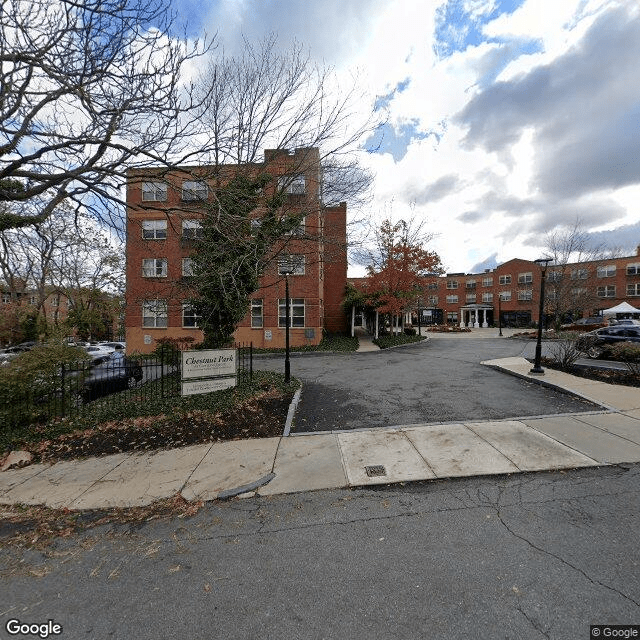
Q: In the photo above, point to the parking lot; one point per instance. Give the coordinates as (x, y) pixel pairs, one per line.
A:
(439, 380)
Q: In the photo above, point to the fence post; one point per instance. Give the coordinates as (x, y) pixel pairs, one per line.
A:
(162, 377)
(251, 361)
(63, 392)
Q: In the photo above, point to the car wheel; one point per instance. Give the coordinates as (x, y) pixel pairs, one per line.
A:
(594, 352)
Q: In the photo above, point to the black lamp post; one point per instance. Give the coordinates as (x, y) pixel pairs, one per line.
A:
(537, 369)
(500, 315)
(286, 271)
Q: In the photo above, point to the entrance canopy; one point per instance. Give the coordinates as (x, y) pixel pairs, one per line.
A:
(623, 307)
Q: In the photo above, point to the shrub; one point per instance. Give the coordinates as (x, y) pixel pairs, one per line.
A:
(409, 331)
(629, 353)
(564, 351)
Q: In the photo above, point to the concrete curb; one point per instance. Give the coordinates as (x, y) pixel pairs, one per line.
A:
(291, 413)
(245, 488)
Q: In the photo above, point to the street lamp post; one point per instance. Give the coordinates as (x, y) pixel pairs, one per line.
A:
(500, 315)
(286, 270)
(537, 369)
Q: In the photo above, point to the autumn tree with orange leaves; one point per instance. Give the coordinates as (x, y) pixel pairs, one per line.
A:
(398, 266)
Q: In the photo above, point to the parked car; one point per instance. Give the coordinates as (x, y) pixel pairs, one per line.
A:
(625, 321)
(584, 324)
(116, 346)
(99, 352)
(116, 373)
(595, 342)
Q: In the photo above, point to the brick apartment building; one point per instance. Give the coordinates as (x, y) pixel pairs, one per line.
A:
(163, 220)
(513, 289)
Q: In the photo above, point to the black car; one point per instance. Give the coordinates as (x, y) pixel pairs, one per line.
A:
(111, 375)
(595, 342)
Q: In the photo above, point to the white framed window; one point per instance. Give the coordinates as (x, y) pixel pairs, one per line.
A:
(505, 279)
(191, 229)
(257, 313)
(608, 291)
(471, 297)
(33, 300)
(452, 284)
(487, 297)
(296, 312)
(432, 286)
(433, 300)
(470, 284)
(554, 276)
(300, 229)
(606, 271)
(452, 299)
(578, 291)
(154, 229)
(452, 317)
(633, 269)
(55, 301)
(187, 267)
(154, 191)
(294, 264)
(525, 278)
(154, 267)
(525, 295)
(190, 318)
(551, 295)
(6, 298)
(505, 296)
(633, 289)
(487, 282)
(293, 185)
(194, 190)
(154, 314)
(579, 274)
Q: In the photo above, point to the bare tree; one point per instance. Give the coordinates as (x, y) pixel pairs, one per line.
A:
(86, 88)
(570, 288)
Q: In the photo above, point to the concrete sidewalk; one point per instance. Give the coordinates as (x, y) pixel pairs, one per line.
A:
(348, 458)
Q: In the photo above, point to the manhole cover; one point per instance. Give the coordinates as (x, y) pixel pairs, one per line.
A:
(375, 470)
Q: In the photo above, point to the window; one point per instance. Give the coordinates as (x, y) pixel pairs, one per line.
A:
(608, 271)
(154, 229)
(487, 282)
(452, 317)
(554, 276)
(579, 274)
(471, 297)
(551, 295)
(452, 299)
(154, 313)
(55, 301)
(33, 300)
(633, 289)
(525, 278)
(470, 284)
(578, 291)
(487, 297)
(294, 264)
(608, 291)
(433, 300)
(187, 267)
(432, 286)
(298, 230)
(257, 314)
(296, 312)
(194, 190)
(6, 298)
(191, 229)
(505, 279)
(505, 296)
(154, 191)
(295, 185)
(154, 268)
(190, 318)
(525, 294)
(633, 269)
(452, 284)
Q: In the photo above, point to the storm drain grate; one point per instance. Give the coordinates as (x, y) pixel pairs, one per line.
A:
(375, 470)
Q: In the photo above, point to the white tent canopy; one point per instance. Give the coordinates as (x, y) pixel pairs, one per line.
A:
(623, 307)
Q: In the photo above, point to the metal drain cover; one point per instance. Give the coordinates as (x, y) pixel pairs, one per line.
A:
(375, 470)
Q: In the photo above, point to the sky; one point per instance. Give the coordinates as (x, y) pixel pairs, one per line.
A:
(504, 120)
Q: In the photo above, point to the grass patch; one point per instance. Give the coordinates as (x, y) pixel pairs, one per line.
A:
(335, 343)
(255, 408)
(384, 342)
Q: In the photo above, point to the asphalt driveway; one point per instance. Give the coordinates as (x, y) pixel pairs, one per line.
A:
(439, 380)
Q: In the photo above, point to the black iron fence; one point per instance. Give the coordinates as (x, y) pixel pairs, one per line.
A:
(80, 387)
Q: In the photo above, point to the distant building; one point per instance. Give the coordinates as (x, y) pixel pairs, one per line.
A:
(164, 210)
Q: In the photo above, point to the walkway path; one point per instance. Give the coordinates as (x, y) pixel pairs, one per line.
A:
(349, 459)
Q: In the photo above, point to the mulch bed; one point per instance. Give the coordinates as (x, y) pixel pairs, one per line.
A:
(610, 376)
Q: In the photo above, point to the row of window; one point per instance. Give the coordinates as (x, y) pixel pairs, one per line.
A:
(193, 190)
(155, 314)
(158, 267)
(470, 298)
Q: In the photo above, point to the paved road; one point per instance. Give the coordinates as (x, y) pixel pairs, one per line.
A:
(441, 380)
(520, 558)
